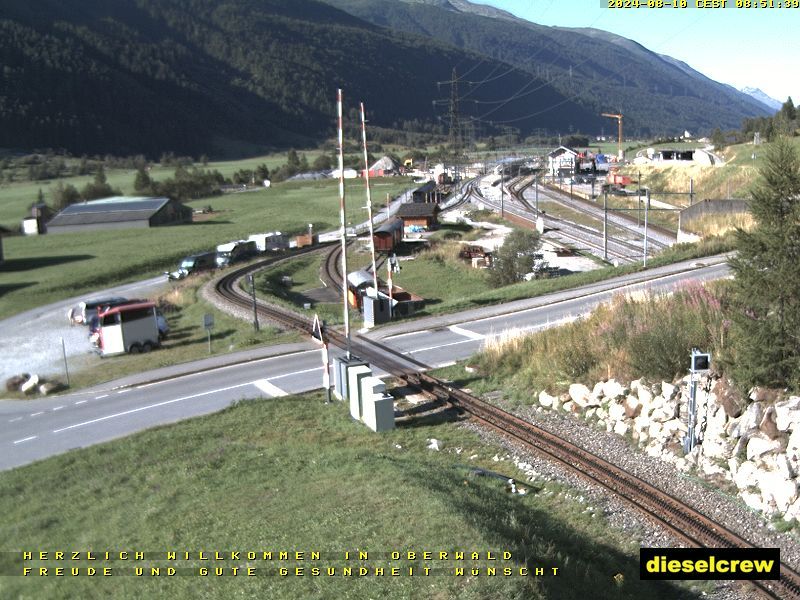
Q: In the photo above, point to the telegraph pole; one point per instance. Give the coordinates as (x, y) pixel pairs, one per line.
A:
(646, 205)
(345, 307)
(369, 201)
(605, 225)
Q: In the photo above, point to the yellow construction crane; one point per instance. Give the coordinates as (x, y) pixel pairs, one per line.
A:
(619, 126)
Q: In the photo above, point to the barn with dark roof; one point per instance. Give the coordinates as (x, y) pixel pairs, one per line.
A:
(120, 212)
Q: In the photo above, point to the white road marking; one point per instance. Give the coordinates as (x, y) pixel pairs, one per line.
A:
(98, 397)
(399, 335)
(441, 346)
(15, 420)
(466, 332)
(271, 390)
(81, 401)
(244, 364)
(156, 405)
(41, 412)
(55, 408)
(27, 439)
(297, 373)
(124, 391)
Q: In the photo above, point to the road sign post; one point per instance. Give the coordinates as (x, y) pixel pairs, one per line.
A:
(208, 325)
(64, 354)
(252, 282)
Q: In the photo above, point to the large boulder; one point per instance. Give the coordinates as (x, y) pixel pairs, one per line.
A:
(754, 501)
(633, 406)
(663, 413)
(717, 447)
(793, 512)
(616, 411)
(746, 475)
(668, 390)
(712, 468)
(751, 418)
(787, 414)
(729, 398)
(764, 395)
(777, 491)
(621, 428)
(759, 445)
(613, 389)
(767, 426)
(579, 394)
(673, 427)
(546, 399)
(732, 429)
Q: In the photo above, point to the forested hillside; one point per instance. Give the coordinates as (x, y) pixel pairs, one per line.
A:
(599, 70)
(201, 76)
(149, 76)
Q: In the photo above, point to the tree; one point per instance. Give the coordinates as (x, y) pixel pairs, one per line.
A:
(515, 258)
(788, 110)
(766, 288)
(322, 163)
(262, 172)
(64, 195)
(718, 139)
(142, 182)
(99, 188)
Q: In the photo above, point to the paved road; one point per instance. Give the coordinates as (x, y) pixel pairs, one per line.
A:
(32, 430)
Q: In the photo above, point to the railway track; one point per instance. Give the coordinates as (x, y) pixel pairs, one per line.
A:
(569, 233)
(680, 519)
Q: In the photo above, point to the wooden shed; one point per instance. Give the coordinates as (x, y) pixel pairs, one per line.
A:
(419, 216)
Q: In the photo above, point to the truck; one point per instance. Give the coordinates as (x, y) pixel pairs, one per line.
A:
(193, 264)
(130, 328)
(235, 251)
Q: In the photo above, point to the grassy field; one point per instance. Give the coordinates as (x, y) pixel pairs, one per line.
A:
(450, 293)
(292, 474)
(43, 269)
(304, 273)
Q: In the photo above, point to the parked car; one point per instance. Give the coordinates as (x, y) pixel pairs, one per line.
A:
(193, 264)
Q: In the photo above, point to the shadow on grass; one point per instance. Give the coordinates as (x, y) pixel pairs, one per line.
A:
(538, 539)
(11, 287)
(37, 262)
(187, 340)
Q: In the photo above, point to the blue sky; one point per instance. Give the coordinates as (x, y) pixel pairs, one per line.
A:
(757, 47)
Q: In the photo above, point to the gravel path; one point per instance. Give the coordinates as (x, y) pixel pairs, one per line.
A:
(724, 508)
(30, 342)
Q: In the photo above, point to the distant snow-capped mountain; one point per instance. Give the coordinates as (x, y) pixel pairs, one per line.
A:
(767, 101)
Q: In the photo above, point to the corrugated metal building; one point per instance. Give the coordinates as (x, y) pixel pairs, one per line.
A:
(120, 212)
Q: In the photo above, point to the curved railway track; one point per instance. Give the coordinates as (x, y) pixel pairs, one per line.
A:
(620, 249)
(680, 519)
